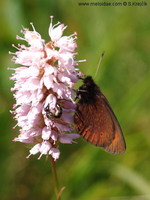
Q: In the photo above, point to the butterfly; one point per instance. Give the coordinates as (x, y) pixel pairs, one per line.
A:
(95, 120)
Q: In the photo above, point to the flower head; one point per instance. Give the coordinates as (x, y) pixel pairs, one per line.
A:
(43, 90)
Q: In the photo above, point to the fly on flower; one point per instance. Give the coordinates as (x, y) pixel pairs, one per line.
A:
(56, 114)
(47, 73)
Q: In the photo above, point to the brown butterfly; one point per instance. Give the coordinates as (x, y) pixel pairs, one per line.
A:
(95, 120)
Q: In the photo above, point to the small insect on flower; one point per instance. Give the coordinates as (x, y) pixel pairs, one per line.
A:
(95, 119)
(56, 114)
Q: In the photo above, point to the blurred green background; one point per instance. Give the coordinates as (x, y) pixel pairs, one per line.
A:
(124, 76)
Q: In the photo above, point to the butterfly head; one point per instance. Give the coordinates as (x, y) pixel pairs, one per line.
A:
(87, 92)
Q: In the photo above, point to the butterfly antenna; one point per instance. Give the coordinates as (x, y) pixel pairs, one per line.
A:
(99, 63)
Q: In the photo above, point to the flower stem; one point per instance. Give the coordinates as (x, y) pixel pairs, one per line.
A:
(55, 178)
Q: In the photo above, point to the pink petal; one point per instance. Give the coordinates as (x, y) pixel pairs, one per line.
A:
(35, 149)
(67, 138)
(46, 132)
(48, 81)
(55, 153)
(56, 33)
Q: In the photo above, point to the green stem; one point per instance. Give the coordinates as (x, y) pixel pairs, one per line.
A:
(55, 178)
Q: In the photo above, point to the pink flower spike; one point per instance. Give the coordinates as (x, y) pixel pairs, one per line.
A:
(43, 89)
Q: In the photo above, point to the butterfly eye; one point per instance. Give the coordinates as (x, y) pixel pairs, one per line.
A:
(82, 89)
(84, 86)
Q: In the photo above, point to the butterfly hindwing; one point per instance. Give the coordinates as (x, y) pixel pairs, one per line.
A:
(118, 144)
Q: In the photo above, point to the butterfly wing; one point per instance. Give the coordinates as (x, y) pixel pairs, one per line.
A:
(97, 123)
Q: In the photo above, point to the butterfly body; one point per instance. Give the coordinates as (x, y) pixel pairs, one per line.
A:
(95, 120)
(88, 91)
